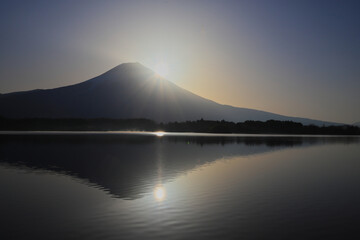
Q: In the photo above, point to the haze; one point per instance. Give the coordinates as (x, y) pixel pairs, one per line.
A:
(297, 58)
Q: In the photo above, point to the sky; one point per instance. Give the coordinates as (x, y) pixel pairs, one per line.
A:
(296, 58)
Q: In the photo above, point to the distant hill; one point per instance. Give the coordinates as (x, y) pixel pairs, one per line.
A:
(129, 90)
(357, 124)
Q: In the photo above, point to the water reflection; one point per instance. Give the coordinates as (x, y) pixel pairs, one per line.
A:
(128, 166)
(179, 187)
(159, 193)
(159, 134)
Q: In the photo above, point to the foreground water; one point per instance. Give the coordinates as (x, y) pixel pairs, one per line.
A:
(156, 186)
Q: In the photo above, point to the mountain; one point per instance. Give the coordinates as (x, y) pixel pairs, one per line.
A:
(129, 90)
(357, 124)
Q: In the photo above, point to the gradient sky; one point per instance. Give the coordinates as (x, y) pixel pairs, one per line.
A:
(296, 58)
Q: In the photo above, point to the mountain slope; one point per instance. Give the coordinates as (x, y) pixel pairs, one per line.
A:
(129, 90)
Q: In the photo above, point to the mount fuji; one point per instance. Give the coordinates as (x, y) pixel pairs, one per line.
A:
(129, 90)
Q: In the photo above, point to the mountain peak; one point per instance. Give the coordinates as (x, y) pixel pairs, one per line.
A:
(131, 68)
(130, 64)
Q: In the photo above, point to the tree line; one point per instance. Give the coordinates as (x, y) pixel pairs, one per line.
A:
(204, 126)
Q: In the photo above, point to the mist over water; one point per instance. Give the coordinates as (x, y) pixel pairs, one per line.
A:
(151, 186)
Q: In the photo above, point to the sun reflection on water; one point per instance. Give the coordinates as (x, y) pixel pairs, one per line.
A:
(159, 193)
(160, 133)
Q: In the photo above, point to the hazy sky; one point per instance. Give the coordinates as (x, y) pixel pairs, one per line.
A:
(297, 58)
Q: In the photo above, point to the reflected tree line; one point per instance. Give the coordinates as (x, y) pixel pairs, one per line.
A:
(203, 126)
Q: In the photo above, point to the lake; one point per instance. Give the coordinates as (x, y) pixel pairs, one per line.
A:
(122, 185)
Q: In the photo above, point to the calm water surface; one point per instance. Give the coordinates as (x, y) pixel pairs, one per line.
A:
(155, 186)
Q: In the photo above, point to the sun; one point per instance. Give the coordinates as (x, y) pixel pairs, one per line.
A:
(162, 69)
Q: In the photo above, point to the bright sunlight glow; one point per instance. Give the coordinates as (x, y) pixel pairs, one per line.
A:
(159, 193)
(159, 134)
(161, 69)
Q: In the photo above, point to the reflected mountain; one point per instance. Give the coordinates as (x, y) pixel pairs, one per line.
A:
(129, 165)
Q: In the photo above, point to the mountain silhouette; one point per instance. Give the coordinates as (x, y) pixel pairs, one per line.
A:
(129, 90)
